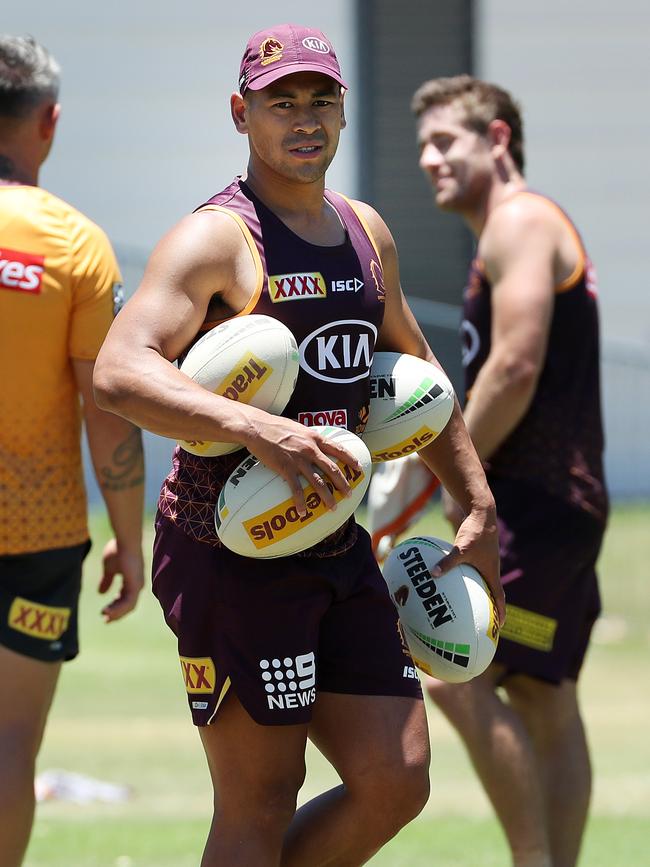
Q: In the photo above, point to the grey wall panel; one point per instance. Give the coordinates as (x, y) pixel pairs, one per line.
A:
(400, 46)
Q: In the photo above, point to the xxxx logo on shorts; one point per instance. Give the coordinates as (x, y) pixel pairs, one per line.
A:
(292, 287)
(199, 674)
(39, 621)
(283, 520)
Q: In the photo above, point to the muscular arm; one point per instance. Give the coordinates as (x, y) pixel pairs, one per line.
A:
(518, 249)
(451, 456)
(116, 451)
(135, 377)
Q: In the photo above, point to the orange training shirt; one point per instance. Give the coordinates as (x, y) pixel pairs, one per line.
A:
(57, 279)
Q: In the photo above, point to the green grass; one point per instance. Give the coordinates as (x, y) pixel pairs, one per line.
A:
(121, 715)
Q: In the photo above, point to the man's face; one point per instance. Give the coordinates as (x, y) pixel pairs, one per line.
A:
(457, 160)
(294, 124)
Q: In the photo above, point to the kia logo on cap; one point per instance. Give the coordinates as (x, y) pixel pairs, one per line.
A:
(313, 43)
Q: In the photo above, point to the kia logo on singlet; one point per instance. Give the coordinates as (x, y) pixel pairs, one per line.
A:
(339, 352)
(21, 272)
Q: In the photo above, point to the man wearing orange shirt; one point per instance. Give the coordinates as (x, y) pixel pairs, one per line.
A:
(59, 289)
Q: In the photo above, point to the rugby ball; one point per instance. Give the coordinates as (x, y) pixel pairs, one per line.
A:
(450, 623)
(251, 359)
(411, 401)
(256, 515)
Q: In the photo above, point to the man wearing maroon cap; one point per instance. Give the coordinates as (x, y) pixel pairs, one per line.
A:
(276, 651)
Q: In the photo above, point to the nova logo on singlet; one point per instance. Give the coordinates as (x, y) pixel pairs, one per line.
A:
(245, 379)
(289, 683)
(340, 351)
(331, 417)
(199, 674)
(293, 287)
(38, 621)
(283, 520)
(21, 272)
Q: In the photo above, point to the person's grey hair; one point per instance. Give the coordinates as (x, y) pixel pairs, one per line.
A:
(29, 75)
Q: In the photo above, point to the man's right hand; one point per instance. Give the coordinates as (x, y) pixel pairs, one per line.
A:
(293, 450)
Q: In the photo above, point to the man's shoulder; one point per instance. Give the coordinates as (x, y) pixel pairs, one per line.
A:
(516, 220)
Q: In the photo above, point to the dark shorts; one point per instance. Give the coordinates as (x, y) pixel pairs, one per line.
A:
(548, 558)
(278, 631)
(39, 600)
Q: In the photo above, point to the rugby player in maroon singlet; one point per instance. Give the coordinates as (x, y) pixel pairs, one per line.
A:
(273, 652)
(531, 357)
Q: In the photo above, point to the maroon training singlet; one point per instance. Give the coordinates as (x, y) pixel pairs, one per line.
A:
(558, 445)
(332, 299)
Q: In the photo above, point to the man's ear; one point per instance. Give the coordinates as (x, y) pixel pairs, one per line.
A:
(343, 120)
(238, 111)
(49, 116)
(499, 134)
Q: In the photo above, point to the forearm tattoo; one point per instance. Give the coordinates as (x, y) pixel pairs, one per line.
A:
(127, 465)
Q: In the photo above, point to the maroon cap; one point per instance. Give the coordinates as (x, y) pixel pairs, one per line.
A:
(283, 50)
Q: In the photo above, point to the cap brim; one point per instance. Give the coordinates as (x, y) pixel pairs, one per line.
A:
(266, 78)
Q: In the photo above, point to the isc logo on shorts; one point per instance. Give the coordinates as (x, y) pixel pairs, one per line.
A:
(292, 287)
(21, 271)
(39, 621)
(199, 674)
(289, 683)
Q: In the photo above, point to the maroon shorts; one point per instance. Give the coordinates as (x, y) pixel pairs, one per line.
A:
(278, 631)
(548, 558)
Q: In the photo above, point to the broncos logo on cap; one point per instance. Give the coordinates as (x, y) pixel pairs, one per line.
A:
(271, 49)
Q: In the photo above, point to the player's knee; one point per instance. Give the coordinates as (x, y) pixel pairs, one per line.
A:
(397, 793)
(268, 806)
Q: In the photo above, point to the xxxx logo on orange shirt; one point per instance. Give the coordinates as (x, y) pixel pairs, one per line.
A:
(39, 621)
(199, 674)
(292, 287)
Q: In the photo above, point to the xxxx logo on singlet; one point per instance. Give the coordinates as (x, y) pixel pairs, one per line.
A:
(293, 287)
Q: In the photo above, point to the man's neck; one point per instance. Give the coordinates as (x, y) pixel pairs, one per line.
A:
(498, 192)
(11, 172)
(287, 198)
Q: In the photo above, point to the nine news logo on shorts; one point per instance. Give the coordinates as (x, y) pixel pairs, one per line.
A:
(288, 682)
(22, 272)
(294, 287)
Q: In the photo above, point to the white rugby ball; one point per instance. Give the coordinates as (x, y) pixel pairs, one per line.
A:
(256, 515)
(450, 623)
(411, 401)
(251, 359)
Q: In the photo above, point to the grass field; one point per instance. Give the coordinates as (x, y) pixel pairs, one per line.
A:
(120, 715)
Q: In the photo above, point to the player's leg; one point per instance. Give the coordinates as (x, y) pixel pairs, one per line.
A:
(379, 746)
(552, 717)
(502, 752)
(256, 774)
(26, 690)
